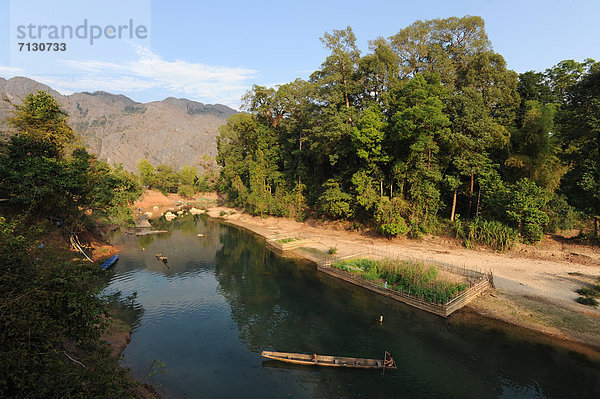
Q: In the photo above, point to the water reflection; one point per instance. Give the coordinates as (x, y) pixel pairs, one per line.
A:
(225, 298)
(126, 308)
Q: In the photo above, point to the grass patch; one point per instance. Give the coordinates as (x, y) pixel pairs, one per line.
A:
(592, 292)
(286, 240)
(589, 294)
(587, 300)
(409, 277)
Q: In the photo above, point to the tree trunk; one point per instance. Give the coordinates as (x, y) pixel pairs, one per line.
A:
(453, 205)
(346, 93)
(478, 199)
(391, 189)
(381, 187)
(299, 193)
(471, 195)
(429, 160)
(520, 227)
(596, 225)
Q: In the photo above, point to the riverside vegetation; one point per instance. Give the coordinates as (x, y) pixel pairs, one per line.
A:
(406, 276)
(51, 317)
(427, 126)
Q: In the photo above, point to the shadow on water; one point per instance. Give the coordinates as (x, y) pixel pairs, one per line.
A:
(225, 298)
(126, 308)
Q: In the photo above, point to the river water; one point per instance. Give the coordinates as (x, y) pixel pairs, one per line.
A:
(201, 320)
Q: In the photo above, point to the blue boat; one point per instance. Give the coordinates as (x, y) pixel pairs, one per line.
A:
(109, 262)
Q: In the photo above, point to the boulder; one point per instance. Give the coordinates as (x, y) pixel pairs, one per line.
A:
(142, 223)
(170, 216)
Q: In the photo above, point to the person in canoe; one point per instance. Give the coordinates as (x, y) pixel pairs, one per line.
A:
(314, 357)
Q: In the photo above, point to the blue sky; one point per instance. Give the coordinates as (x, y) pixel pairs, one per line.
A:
(214, 51)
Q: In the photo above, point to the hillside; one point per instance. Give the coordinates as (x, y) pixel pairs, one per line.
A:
(173, 131)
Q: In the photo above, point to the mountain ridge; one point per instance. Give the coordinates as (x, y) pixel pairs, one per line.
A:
(173, 131)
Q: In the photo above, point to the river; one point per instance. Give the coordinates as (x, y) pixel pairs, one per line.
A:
(201, 320)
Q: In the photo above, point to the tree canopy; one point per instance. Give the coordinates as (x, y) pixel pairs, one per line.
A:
(429, 124)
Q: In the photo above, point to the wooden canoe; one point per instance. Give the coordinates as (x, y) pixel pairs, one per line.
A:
(109, 262)
(328, 361)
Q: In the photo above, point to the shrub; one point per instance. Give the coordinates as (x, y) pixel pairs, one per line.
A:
(587, 300)
(332, 250)
(593, 291)
(525, 209)
(389, 217)
(334, 202)
(186, 191)
(490, 233)
(561, 215)
(532, 232)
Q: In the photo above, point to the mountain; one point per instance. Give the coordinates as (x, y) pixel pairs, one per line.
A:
(174, 131)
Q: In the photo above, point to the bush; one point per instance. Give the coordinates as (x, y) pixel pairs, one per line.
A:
(525, 209)
(51, 310)
(561, 215)
(334, 202)
(389, 217)
(532, 233)
(587, 300)
(332, 250)
(186, 191)
(593, 291)
(489, 233)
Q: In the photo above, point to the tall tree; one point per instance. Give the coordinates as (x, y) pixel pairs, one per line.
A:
(486, 72)
(336, 91)
(442, 46)
(146, 171)
(474, 133)
(579, 125)
(40, 119)
(378, 73)
(417, 129)
(535, 150)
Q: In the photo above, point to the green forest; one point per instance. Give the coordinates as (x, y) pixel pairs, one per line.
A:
(51, 314)
(428, 129)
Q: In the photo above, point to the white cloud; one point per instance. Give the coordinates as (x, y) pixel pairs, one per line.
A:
(201, 82)
(7, 71)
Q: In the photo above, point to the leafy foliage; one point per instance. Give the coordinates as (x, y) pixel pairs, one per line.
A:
(40, 120)
(334, 202)
(390, 217)
(489, 233)
(52, 319)
(430, 118)
(40, 180)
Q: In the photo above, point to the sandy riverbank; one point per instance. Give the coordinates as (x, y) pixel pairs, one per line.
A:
(535, 286)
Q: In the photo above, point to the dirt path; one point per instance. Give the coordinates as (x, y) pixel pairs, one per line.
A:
(535, 285)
